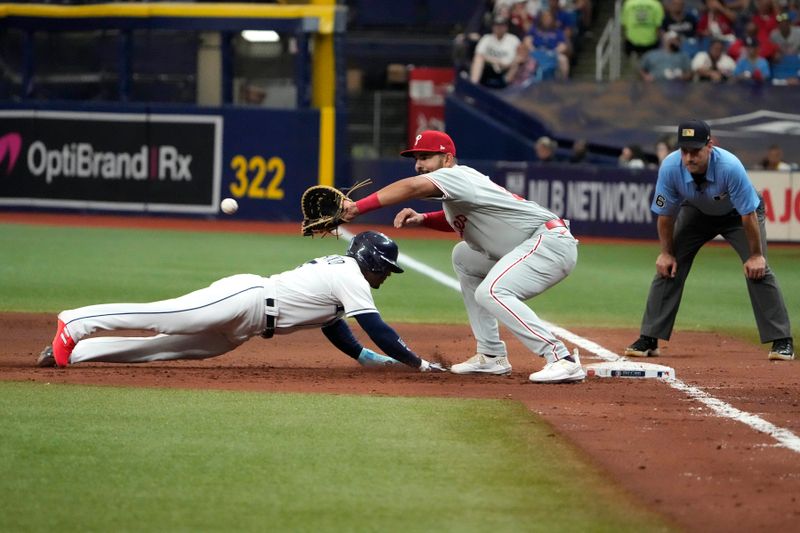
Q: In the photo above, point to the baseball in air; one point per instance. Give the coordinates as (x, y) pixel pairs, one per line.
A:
(229, 206)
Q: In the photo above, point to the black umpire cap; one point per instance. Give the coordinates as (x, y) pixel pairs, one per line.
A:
(693, 134)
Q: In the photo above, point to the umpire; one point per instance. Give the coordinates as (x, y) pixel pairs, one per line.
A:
(704, 191)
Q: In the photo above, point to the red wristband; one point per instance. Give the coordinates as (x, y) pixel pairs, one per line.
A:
(436, 220)
(370, 203)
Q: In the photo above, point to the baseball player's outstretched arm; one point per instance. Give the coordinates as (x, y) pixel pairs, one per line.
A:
(390, 342)
(341, 336)
(394, 193)
(380, 332)
(387, 339)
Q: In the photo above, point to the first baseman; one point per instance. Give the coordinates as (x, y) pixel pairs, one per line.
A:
(218, 318)
(512, 250)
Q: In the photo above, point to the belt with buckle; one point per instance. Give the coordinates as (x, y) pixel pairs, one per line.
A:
(269, 331)
(555, 223)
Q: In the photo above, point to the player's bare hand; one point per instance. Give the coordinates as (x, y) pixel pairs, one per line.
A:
(666, 266)
(755, 267)
(408, 217)
(349, 210)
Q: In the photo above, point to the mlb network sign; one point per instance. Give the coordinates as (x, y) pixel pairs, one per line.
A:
(117, 161)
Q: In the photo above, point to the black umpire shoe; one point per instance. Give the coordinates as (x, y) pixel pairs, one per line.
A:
(644, 347)
(782, 350)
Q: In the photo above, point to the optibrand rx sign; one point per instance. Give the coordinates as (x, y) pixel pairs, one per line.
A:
(117, 161)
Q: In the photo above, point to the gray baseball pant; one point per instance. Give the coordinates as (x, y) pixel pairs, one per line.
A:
(693, 229)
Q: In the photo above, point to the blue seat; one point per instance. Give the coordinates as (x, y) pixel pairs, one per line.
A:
(383, 13)
(546, 64)
(570, 19)
(450, 13)
(691, 46)
(787, 67)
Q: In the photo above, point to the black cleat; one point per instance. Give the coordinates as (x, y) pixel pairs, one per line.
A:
(782, 350)
(643, 347)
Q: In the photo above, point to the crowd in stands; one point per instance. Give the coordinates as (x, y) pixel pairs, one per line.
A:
(519, 42)
(634, 156)
(514, 43)
(749, 41)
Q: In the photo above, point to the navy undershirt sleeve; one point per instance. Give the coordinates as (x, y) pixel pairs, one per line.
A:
(341, 336)
(387, 339)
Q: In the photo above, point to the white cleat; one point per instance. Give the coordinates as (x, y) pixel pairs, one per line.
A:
(480, 364)
(561, 371)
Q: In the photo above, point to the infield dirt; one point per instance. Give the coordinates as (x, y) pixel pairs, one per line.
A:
(702, 472)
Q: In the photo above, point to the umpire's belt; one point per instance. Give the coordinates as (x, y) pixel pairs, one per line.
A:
(271, 310)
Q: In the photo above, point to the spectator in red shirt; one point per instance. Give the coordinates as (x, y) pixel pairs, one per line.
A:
(715, 24)
(765, 19)
(766, 49)
(520, 20)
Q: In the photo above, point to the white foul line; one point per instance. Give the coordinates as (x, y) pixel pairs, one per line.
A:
(785, 438)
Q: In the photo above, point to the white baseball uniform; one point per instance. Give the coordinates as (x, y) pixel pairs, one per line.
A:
(508, 255)
(216, 319)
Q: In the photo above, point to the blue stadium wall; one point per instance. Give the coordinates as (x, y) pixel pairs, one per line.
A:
(173, 158)
(178, 160)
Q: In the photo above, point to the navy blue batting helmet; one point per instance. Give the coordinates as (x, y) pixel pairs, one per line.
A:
(375, 252)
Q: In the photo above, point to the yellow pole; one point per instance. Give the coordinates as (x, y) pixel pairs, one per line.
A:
(323, 95)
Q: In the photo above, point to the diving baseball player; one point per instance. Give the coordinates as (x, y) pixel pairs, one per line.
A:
(512, 249)
(215, 320)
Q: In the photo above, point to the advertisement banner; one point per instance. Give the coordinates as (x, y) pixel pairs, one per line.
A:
(427, 89)
(781, 192)
(115, 161)
(601, 202)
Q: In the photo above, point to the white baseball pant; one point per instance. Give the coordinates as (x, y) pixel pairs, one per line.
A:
(205, 323)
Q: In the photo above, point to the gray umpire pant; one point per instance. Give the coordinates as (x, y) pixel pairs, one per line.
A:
(692, 230)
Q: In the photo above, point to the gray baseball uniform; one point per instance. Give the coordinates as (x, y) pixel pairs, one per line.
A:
(513, 249)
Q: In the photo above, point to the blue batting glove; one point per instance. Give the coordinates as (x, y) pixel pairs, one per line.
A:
(371, 359)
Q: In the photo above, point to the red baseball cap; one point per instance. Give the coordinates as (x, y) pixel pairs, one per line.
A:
(431, 141)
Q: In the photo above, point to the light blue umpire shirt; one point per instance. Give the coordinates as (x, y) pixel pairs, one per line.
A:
(727, 186)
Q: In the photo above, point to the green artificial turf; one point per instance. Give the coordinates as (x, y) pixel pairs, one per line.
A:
(110, 459)
(96, 265)
(54, 268)
(609, 287)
